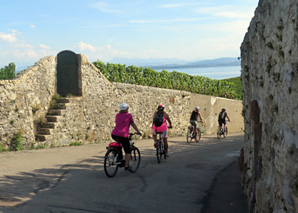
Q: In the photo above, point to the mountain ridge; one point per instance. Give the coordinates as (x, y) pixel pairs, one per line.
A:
(160, 63)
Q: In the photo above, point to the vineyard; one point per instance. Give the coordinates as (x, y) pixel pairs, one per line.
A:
(169, 80)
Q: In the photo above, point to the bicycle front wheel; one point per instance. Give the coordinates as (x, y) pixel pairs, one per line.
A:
(135, 159)
(110, 165)
(199, 134)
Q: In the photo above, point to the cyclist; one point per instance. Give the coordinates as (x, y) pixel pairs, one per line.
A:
(194, 120)
(222, 118)
(160, 125)
(123, 121)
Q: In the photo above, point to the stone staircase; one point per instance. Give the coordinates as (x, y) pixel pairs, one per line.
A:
(53, 116)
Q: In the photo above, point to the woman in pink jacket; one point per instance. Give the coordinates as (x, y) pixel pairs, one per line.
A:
(161, 126)
(120, 133)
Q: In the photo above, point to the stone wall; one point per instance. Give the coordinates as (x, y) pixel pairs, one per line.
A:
(26, 99)
(270, 82)
(90, 117)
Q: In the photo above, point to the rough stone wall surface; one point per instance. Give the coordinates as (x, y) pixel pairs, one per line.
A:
(25, 100)
(90, 117)
(270, 82)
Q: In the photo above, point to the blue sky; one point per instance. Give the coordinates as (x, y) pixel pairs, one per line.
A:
(103, 30)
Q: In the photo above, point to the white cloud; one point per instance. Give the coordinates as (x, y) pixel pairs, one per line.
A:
(178, 5)
(10, 37)
(85, 47)
(227, 12)
(32, 26)
(163, 20)
(104, 53)
(103, 7)
(44, 46)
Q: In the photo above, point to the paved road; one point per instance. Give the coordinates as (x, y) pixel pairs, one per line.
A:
(72, 179)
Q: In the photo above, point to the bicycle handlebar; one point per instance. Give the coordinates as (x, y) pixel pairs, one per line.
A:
(132, 134)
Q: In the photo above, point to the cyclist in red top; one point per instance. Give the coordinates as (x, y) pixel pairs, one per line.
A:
(123, 121)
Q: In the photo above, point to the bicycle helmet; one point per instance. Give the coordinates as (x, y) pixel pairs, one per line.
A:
(124, 106)
(197, 108)
(160, 107)
(223, 109)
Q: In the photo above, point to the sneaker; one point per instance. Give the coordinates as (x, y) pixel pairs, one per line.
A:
(129, 168)
(196, 140)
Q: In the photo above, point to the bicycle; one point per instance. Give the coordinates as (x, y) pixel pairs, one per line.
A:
(222, 132)
(159, 144)
(114, 157)
(191, 134)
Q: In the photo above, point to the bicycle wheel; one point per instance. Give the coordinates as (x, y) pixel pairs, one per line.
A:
(109, 163)
(199, 134)
(159, 152)
(135, 159)
(218, 133)
(188, 136)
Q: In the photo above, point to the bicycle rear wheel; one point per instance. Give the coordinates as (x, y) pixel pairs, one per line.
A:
(109, 163)
(159, 152)
(135, 159)
(188, 136)
(218, 133)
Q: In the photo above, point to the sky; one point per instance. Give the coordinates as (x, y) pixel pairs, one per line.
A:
(104, 30)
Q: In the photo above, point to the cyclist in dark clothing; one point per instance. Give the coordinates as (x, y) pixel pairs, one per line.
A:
(222, 118)
(194, 120)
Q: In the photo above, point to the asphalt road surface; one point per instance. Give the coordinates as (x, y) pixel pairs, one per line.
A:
(72, 179)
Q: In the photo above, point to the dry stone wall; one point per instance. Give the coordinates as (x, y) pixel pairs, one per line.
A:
(26, 99)
(270, 82)
(90, 117)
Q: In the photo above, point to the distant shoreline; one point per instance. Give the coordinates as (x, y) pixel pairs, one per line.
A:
(191, 66)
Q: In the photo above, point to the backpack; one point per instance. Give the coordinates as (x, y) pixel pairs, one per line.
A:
(158, 119)
(222, 116)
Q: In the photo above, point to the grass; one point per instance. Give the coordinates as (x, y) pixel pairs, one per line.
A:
(75, 144)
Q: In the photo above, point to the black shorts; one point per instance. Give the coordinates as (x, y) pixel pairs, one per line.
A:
(220, 122)
(124, 141)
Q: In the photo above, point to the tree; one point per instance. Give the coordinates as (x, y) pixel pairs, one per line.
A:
(8, 72)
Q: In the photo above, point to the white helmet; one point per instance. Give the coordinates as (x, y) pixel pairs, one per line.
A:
(124, 106)
(197, 108)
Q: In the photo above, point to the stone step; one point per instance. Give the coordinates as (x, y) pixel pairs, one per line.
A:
(55, 111)
(39, 137)
(44, 131)
(49, 125)
(60, 106)
(52, 118)
(63, 100)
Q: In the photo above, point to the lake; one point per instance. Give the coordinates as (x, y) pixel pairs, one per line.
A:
(211, 72)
